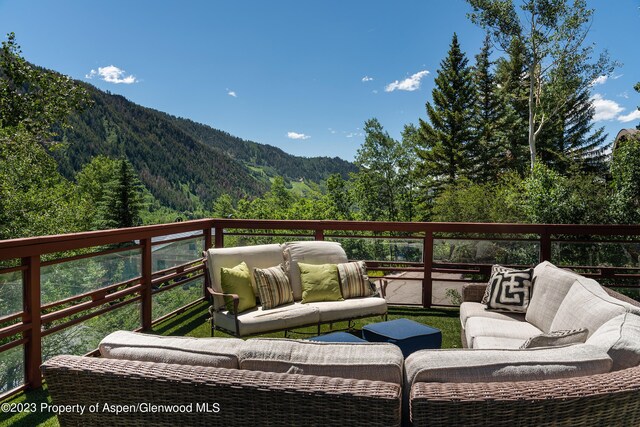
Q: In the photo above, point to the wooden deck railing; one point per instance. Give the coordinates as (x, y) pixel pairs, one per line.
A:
(432, 251)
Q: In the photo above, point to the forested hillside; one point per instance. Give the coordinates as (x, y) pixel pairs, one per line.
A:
(177, 158)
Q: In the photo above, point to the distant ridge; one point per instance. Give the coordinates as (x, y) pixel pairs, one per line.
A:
(183, 163)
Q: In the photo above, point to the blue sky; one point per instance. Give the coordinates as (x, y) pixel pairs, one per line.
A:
(300, 75)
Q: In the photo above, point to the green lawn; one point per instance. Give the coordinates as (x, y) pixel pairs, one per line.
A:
(194, 323)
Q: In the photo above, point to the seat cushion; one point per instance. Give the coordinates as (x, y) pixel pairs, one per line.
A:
(366, 361)
(497, 343)
(620, 338)
(313, 252)
(550, 286)
(277, 319)
(216, 352)
(476, 309)
(352, 308)
(587, 305)
(499, 328)
(469, 366)
(258, 256)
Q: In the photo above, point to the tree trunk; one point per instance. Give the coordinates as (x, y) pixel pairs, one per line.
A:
(532, 133)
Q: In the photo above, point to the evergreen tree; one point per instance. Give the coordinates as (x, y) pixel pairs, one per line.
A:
(487, 119)
(512, 92)
(122, 201)
(448, 143)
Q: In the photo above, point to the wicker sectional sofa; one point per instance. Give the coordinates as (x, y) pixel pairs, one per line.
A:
(292, 382)
(290, 316)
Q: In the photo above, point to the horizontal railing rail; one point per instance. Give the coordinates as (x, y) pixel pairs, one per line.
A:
(422, 252)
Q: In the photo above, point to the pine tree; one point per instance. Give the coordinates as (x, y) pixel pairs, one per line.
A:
(513, 95)
(447, 141)
(568, 140)
(487, 118)
(122, 200)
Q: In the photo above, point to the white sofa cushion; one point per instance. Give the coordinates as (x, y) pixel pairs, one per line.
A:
(498, 328)
(550, 286)
(587, 305)
(469, 366)
(620, 338)
(366, 361)
(476, 309)
(332, 311)
(312, 252)
(258, 256)
(258, 320)
(216, 352)
(499, 343)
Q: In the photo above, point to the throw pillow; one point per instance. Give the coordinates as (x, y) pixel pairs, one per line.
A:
(555, 338)
(319, 282)
(273, 286)
(509, 289)
(237, 280)
(354, 280)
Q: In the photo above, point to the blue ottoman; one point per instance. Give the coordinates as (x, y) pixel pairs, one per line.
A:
(410, 336)
(337, 337)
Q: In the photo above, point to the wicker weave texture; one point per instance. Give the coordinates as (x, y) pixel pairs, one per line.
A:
(245, 398)
(473, 292)
(611, 399)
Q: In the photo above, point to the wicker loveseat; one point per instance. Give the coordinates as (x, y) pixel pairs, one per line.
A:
(275, 382)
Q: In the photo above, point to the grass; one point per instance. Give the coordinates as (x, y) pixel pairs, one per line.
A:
(194, 323)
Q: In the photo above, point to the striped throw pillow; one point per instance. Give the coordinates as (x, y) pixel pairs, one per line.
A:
(354, 280)
(273, 286)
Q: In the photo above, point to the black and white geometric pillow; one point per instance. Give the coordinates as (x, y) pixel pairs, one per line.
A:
(509, 289)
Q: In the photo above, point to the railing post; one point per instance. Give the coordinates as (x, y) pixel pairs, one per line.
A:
(32, 315)
(545, 245)
(427, 259)
(219, 237)
(147, 290)
(207, 244)
(319, 234)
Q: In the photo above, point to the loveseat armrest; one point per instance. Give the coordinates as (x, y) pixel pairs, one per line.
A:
(473, 292)
(602, 399)
(213, 396)
(236, 300)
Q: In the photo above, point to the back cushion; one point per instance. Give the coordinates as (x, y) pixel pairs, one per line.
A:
(216, 352)
(309, 253)
(620, 338)
(587, 305)
(363, 361)
(258, 256)
(550, 286)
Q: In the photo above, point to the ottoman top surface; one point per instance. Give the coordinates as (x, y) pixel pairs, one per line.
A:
(400, 329)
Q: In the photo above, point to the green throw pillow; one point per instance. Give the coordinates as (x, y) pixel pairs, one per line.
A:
(237, 280)
(320, 282)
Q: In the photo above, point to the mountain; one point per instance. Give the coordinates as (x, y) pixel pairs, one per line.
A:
(181, 162)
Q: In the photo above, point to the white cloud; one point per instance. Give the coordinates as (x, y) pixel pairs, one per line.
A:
(366, 79)
(296, 135)
(600, 80)
(606, 109)
(232, 93)
(632, 116)
(112, 74)
(409, 84)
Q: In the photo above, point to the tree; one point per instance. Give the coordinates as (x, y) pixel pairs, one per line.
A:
(512, 92)
(625, 171)
(377, 181)
(122, 200)
(33, 98)
(407, 174)
(339, 198)
(448, 143)
(487, 118)
(223, 207)
(553, 33)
